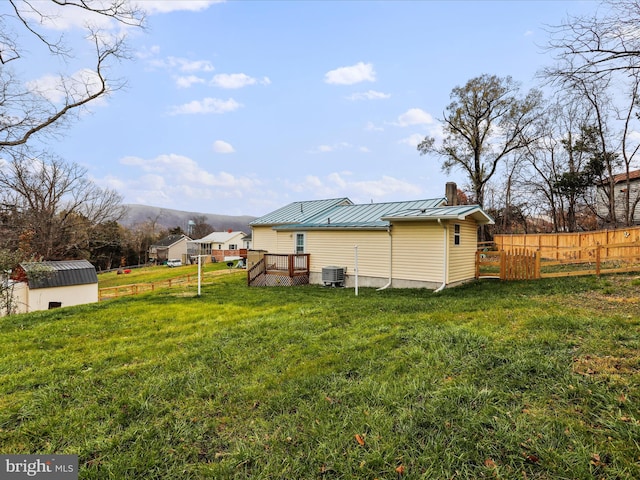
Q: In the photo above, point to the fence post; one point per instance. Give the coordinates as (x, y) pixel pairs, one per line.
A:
(503, 264)
(537, 267)
(598, 260)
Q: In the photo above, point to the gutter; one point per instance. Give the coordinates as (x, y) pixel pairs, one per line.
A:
(444, 273)
(390, 261)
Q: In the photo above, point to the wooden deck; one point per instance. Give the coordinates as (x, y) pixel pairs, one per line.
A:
(279, 270)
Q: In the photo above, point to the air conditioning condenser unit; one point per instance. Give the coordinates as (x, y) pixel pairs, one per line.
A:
(333, 276)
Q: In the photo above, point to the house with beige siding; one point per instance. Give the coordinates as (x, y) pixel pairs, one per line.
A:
(170, 247)
(410, 244)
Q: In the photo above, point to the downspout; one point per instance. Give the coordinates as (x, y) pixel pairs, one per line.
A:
(444, 279)
(390, 260)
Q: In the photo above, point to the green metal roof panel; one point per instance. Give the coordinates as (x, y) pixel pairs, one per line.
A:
(61, 274)
(368, 215)
(298, 212)
(456, 212)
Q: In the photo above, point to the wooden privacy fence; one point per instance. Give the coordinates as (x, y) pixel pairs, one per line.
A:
(523, 264)
(578, 245)
(517, 265)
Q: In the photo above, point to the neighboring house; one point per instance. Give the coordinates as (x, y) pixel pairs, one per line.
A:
(46, 285)
(171, 247)
(421, 243)
(220, 246)
(620, 198)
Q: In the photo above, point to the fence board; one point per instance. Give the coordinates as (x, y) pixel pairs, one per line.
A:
(518, 264)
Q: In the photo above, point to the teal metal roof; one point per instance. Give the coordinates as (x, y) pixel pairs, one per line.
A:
(368, 215)
(457, 212)
(298, 212)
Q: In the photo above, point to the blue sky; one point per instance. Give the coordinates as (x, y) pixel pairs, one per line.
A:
(241, 107)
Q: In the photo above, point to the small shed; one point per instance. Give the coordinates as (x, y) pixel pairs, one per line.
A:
(53, 284)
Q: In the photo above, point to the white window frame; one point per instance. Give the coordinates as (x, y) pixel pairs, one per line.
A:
(457, 234)
(304, 242)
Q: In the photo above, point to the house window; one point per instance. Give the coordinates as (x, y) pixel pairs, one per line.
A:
(219, 246)
(299, 242)
(233, 246)
(456, 234)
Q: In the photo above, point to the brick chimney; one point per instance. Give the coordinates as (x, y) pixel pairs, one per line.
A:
(451, 192)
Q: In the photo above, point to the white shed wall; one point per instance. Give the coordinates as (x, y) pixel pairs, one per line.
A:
(31, 300)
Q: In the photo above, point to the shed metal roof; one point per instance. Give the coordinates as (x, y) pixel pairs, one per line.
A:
(367, 215)
(60, 274)
(298, 212)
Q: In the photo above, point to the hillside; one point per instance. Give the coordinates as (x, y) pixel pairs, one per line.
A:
(168, 218)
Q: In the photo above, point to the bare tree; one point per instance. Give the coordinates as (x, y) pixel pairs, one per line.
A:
(486, 122)
(25, 110)
(50, 208)
(596, 45)
(200, 227)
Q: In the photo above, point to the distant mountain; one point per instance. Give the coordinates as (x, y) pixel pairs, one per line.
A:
(168, 218)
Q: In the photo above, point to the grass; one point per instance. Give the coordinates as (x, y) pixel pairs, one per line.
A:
(490, 380)
(158, 273)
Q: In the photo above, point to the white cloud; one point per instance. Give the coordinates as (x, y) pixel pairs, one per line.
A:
(360, 72)
(335, 147)
(414, 116)
(188, 81)
(634, 136)
(58, 17)
(76, 87)
(413, 140)
(206, 105)
(148, 52)
(341, 184)
(236, 80)
(177, 181)
(220, 146)
(182, 64)
(370, 95)
(166, 6)
(175, 169)
(371, 127)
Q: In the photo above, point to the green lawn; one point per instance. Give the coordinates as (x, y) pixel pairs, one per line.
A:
(537, 380)
(158, 273)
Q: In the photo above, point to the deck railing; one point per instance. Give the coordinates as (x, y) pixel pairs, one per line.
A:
(284, 265)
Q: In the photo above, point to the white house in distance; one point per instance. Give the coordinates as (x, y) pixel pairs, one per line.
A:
(413, 244)
(220, 246)
(47, 285)
(626, 194)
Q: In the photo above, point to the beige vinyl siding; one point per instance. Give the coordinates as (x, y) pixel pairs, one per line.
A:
(265, 238)
(418, 251)
(336, 248)
(462, 257)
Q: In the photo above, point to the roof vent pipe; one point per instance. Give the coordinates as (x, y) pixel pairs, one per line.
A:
(451, 192)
